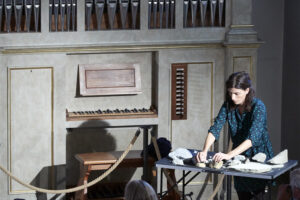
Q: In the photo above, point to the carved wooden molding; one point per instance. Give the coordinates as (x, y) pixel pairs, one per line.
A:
(109, 79)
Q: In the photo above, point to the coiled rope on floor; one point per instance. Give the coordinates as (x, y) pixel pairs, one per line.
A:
(74, 189)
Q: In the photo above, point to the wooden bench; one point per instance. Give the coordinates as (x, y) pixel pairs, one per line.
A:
(103, 161)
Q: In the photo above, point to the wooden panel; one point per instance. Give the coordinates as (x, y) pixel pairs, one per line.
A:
(110, 79)
(179, 91)
(191, 133)
(243, 63)
(30, 124)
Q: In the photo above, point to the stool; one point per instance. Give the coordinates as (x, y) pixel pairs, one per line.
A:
(103, 161)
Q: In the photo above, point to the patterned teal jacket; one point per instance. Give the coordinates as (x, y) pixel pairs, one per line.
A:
(248, 125)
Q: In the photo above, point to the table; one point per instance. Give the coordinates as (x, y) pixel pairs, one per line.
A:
(103, 161)
(166, 163)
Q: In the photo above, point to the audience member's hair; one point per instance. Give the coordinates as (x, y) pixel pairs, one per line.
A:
(295, 178)
(139, 190)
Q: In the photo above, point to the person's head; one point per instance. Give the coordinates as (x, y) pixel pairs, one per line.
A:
(295, 183)
(139, 189)
(239, 91)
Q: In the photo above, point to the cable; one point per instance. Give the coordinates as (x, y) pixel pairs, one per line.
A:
(74, 189)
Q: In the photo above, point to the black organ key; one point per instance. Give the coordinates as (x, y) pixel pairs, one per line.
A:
(126, 110)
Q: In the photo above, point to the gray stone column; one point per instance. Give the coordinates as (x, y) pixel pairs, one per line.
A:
(241, 43)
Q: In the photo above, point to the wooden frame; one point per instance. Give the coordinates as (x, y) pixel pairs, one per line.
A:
(179, 91)
(109, 79)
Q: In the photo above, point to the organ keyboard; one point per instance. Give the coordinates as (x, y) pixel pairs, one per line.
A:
(111, 114)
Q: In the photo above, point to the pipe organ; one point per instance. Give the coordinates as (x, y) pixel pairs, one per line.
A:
(20, 16)
(112, 14)
(199, 13)
(25, 16)
(62, 15)
(184, 50)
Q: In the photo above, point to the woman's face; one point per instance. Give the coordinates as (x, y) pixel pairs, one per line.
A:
(238, 96)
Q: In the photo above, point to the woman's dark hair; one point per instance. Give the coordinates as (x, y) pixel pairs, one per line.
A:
(240, 80)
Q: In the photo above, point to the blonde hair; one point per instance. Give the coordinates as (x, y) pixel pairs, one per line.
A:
(139, 190)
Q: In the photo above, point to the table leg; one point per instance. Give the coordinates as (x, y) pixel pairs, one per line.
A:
(183, 184)
(84, 175)
(228, 187)
(145, 145)
(269, 190)
(161, 181)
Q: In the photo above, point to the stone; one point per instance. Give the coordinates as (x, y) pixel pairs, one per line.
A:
(218, 165)
(234, 162)
(260, 157)
(239, 157)
(200, 164)
(247, 161)
(276, 166)
(280, 158)
(181, 153)
(177, 161)
(252, 167)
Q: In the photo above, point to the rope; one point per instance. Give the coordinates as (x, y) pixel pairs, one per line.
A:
(74, 189)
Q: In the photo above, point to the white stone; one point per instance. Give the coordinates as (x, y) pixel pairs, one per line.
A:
(276, 166)
(280, 158)
(181, 153)
(260, 157)
(252, 167)
(234, 162)
(201, 164)
(177, 161)
(239, 157)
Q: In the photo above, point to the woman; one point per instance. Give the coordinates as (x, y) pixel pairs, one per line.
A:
(139, 189)
(247, 122)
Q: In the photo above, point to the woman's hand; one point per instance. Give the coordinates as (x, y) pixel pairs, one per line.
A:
(201, 156)
(221, 156)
